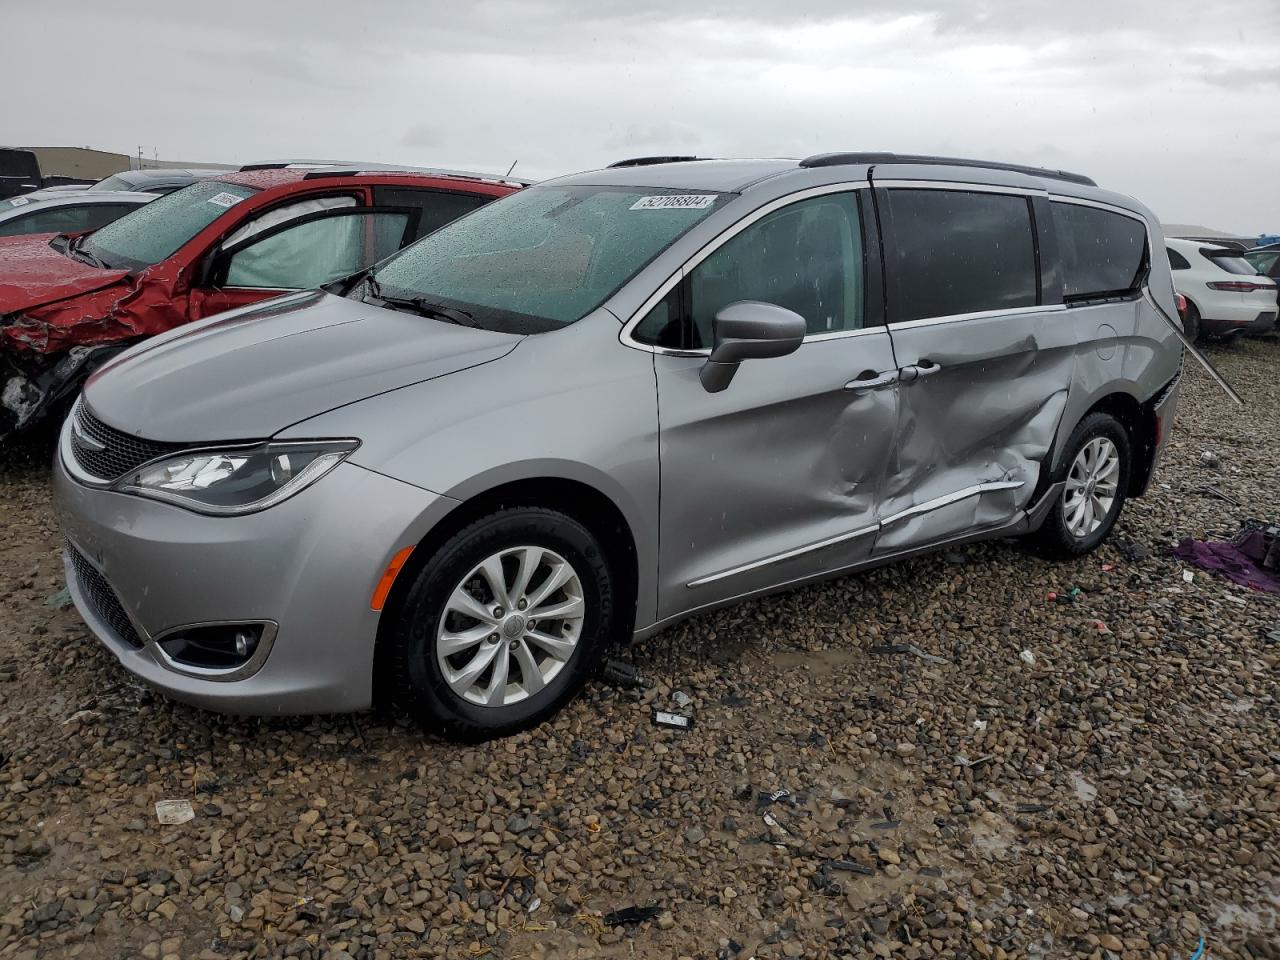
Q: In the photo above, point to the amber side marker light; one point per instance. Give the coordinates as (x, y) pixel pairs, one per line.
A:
(388, 578)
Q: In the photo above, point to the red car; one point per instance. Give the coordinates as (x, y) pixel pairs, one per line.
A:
(71, 301)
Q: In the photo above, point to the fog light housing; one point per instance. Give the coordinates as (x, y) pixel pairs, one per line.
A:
(224, 646)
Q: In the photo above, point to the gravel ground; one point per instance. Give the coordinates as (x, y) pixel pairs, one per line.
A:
(1116, 792)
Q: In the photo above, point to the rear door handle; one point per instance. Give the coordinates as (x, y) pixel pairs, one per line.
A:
(925, 368)
(870, 380)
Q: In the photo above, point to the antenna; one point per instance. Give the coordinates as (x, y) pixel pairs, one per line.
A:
(512, 167)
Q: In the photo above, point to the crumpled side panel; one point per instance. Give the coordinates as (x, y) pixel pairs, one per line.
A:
(987, 417)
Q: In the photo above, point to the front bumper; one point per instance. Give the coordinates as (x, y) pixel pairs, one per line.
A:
(306, 568)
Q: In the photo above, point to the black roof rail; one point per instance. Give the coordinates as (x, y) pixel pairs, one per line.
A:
(650, 161)
(838, 159)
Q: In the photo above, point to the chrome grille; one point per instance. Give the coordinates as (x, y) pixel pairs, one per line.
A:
(99, 595)
(107, 453)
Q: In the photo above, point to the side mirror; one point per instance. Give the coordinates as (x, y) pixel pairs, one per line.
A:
(748, 330)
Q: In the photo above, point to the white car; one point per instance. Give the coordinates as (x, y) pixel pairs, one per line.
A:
(1225, 294)
(66, 213)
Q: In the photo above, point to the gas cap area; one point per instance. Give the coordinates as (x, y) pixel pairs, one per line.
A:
(1106, 341)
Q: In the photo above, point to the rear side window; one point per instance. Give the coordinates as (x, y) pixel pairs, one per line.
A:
(1177, 261)
(1103, 253)
(438, 207)
(952, 252)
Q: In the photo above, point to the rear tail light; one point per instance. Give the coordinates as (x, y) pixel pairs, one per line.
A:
(1239, 286)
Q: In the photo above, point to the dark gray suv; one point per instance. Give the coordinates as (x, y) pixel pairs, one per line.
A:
(605, 403)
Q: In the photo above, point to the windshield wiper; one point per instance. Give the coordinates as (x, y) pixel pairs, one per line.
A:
(84, 256)
(422, 306)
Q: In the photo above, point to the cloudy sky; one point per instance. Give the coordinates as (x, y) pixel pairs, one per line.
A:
(1174, 101)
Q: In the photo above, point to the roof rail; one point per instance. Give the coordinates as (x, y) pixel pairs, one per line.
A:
(339, 168)
(650, 161)
(837, 159)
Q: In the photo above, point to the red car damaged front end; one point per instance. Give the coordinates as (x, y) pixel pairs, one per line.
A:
(60, 317)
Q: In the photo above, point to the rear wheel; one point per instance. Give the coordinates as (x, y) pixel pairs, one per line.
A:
(504, 624)
(1095, 476)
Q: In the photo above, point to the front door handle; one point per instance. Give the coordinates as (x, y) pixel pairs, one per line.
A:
(870, 380)
(925, 368)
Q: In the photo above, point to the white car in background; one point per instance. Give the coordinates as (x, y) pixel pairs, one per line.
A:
(1225, 294)
(67, 212)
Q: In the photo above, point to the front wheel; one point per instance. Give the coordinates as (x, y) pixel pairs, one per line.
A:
(1095, 474)
(504, 624)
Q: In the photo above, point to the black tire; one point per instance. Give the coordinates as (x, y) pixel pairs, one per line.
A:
(419, 682)
(1054, 539)
(1191, 322)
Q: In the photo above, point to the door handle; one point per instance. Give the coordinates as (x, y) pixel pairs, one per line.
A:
(870, 380)
(925, 368)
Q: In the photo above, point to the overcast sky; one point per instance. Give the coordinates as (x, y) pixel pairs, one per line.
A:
(1174, 101)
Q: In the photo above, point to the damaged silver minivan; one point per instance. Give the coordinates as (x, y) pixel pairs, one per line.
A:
(605, 403)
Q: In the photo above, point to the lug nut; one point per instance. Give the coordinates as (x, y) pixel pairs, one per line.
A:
(493, 638)
(523, 603)
(498, 611)
(531, 625)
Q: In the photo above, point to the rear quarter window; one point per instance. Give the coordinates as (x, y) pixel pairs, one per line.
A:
(1103, 253)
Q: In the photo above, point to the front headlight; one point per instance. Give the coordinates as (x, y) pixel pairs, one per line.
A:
(237, 480)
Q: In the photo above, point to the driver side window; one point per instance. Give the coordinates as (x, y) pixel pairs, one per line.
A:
(315, 251)
(807, 257)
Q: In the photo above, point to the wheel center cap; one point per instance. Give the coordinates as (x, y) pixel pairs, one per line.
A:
(513, 626)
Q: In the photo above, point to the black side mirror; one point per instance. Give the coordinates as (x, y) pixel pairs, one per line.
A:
(748, 330)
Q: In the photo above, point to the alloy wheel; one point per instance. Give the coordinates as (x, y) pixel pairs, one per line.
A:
(1092, 486)
(510, 626)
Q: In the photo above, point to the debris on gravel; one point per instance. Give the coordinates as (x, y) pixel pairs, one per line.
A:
(1114, 795)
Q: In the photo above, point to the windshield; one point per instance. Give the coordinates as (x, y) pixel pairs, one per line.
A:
(117, 182)
(544, 257)
(156, 230)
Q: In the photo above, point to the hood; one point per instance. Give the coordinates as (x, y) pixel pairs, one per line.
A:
(32, 274)
(248, 374)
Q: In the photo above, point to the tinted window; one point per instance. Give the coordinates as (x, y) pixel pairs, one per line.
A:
(953, 252)
(55, 220)
(1177, 261)
(438, 206)
(1101, 252)
(156, 231)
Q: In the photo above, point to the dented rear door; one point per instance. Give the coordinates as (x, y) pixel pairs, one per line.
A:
(984, 353)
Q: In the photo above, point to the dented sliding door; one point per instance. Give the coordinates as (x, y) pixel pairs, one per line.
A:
(985, 358)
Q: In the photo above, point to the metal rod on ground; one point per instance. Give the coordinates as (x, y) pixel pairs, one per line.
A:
(1191, 347)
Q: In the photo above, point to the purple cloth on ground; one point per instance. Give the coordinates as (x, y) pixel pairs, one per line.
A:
(1236, 563)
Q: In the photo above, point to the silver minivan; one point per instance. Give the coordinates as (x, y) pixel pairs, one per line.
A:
(606, 403)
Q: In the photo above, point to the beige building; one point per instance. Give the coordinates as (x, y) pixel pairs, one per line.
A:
(80, 163)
